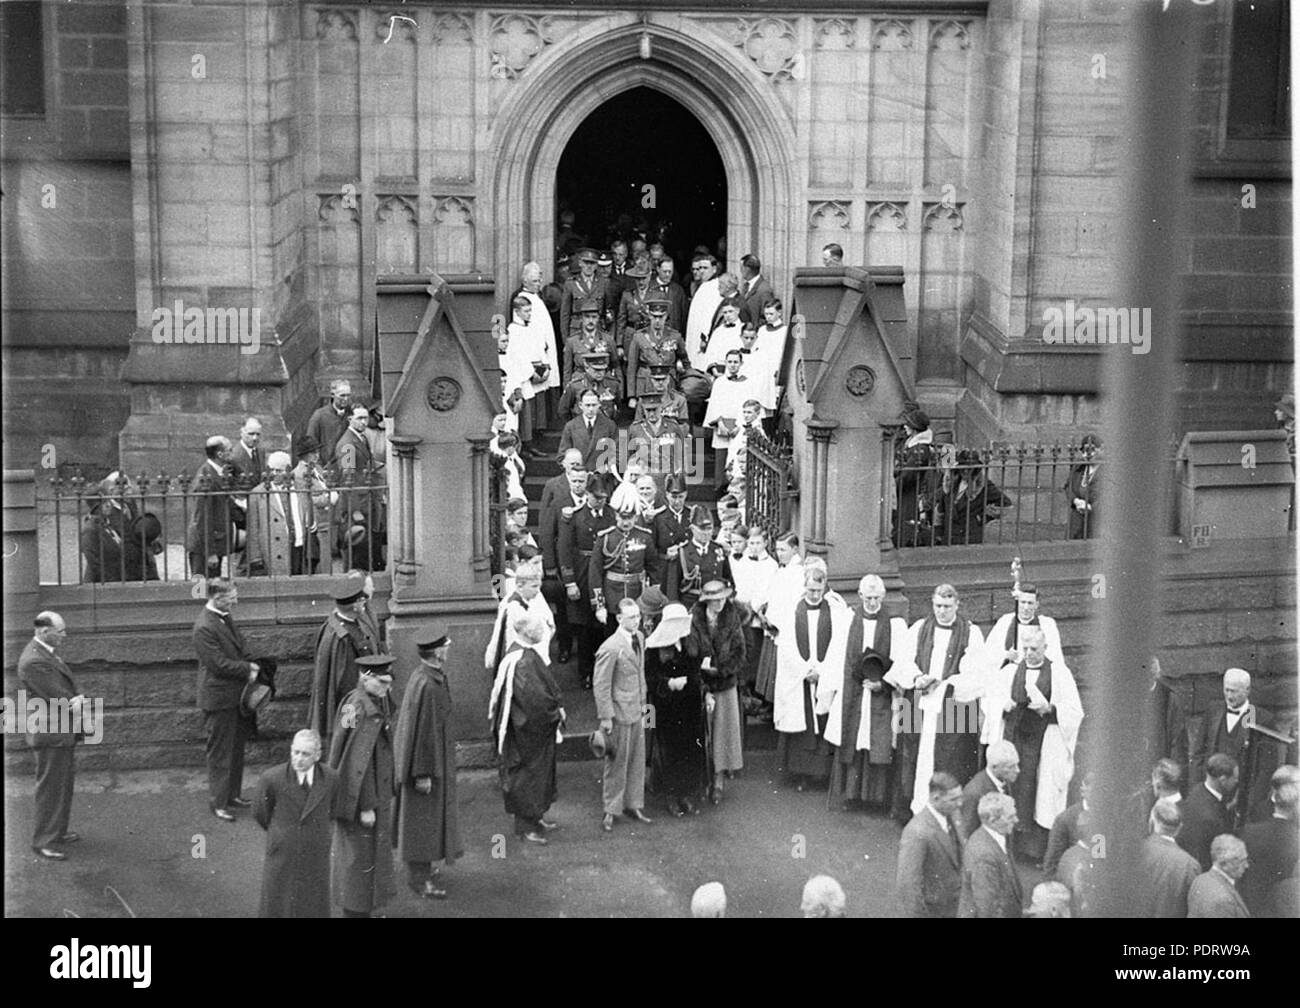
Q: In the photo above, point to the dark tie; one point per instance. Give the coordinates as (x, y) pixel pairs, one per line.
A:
(306, 788)
(636, 646)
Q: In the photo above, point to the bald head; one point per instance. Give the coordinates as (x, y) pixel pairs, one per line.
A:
(822, 897)
(709, 900)
(49, 628)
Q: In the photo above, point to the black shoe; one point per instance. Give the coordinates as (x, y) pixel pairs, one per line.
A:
(69, 838)
(241, 803)
(225, 814)
(49, 854)
(677, 807)
(689, 807)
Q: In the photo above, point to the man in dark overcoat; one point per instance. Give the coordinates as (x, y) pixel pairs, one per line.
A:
(341, 640)
(295, 805)
(362, 753)
(428, 828)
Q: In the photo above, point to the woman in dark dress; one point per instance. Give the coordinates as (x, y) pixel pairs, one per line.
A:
(676, 690)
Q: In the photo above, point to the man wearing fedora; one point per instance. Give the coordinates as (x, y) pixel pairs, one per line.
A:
(428, 830)
(362, 753)
(341, 640)
(295, 805)
(225, 667)
(619, 690)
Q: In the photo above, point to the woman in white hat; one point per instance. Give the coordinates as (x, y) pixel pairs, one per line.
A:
(677, 693)
(718, 641)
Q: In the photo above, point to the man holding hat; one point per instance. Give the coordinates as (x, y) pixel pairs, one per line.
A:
(225, 667)
(699, 561)
(673, 405)
(425, 771)
(623, 561)
(861, 722)
(362, 753)
(295, 805)
(620, 694)
(578, 531)
(340, 642)
(586, 286)
(655, 344)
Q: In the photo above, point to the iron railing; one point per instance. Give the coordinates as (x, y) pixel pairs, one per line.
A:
(175, 528)
(945, 496)
(770, 487)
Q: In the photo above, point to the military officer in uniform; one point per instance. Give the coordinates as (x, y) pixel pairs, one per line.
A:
(631, 306)
(699, 561)
(654, 344)
(594, 376)
(661, 444)
(590, 338)
(672, 526)
(623, 562)
(586, 286)
(578, 531)
(673, 404)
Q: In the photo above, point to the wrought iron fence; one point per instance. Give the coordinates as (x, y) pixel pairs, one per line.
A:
(770, 488)
(175, 528)
(946, 496)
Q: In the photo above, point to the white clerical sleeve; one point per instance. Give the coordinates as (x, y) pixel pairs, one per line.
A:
(1052, 635)
(969, 682)
(699, 320)
(902, 655)
(903, 675)
(831, 679)
(1056, 759)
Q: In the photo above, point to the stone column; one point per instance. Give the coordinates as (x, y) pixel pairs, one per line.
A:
(819, 432)
(480, 557)
(404, 513)
(21, 566)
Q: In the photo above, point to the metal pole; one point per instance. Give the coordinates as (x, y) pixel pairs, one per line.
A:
(1137, 399)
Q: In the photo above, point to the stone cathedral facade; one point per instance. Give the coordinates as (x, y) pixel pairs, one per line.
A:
(267, 161)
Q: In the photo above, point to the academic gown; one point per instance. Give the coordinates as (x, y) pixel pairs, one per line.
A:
(428, 826)
(527, 759)
(362, 753)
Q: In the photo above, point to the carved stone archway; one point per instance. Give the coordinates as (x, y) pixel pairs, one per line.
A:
(732, 98)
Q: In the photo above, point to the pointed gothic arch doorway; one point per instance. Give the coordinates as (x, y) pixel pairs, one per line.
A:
(642, 163)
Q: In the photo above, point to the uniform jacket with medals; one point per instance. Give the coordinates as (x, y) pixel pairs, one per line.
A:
(622, 563)
(648, 348)
(663, 446)
(577, 540)
(695, 567)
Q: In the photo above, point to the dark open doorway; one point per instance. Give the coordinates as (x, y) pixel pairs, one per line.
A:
(636, 139)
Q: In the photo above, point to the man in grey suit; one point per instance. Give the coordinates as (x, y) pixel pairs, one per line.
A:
(990, 886)
(929, 854)
(619, 689)
(1000, 772)
(1214, 894)
(54, 715)
(1168, 871)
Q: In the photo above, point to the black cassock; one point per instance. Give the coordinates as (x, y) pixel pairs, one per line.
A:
(527, 765)
(681, 761)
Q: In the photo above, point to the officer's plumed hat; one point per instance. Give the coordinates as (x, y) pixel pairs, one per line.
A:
(700, 516)
(596, 486)
(676, 483)
(348, 589)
